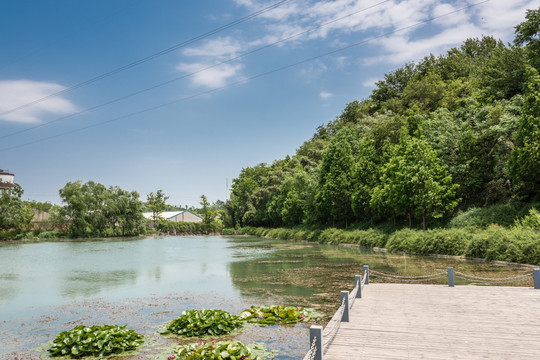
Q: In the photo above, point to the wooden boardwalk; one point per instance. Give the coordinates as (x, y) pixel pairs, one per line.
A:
(395, 321)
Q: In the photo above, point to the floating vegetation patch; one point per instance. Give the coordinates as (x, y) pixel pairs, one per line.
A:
(204, 323)
(96, 341)
(223, 350)
(272, 315)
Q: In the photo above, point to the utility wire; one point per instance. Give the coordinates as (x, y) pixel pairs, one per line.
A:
(150, 57)
(195, 72)
(243, 81)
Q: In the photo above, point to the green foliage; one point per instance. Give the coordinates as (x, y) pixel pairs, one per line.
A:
(207, 214)
(277, 315)
(96, 341)
(499, 214)
(333, 197)
(93, 210)
(414, 182)
(530, 221)
(14, 213)
(203, 323)
(528, 34)
(156, 204)
(188, 228)
(438, 241)
(525, 158)
(223, 350)
(459, 128)
(515, 245)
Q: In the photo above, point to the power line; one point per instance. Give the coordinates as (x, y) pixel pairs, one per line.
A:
(197, 71)
(150, 57)
(246, 80)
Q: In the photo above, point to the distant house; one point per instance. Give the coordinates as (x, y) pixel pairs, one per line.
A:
(176, 216)
(7, 180)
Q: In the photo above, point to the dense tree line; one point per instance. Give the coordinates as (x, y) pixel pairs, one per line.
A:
(91, 209)
(448, 132)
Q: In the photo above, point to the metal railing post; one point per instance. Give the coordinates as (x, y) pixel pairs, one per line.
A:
(315, 331)
(536, 277)
(366, 270)
(345, 316)
(358, 282)
(451, 277)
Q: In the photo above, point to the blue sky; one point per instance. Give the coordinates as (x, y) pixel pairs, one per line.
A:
(233, 97)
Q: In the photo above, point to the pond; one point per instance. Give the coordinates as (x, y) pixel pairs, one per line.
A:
(49, 287)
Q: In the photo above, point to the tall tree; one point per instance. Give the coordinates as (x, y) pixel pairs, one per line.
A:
(333, 197)
(207, 213)
(366, 178)
(415, 182)
(156, 204)
(14, 213)
(524, 163)
(528, 34)
(125, 211)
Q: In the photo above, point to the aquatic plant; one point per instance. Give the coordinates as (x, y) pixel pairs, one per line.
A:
(95, 341)
(277, 314)
(223, 350)
(202, 323)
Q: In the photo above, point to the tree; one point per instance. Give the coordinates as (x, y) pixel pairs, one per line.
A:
(156, 204)
(524, 163)
(333, 197)
(125, 211)
(528, 34)
(14, 213)
(366, 178)
(415, 182)
(207, 214)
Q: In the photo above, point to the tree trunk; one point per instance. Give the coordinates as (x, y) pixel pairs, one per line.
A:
(424, 219)
(410, 221)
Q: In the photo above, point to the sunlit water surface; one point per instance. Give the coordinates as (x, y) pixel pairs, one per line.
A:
(50, 287)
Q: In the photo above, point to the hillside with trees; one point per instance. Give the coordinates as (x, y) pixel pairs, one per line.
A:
(436, 142)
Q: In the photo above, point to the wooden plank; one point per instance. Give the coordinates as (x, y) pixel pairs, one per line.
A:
(396, 321)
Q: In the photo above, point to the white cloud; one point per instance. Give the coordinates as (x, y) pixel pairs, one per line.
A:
(309, 23)
(214, 77)
(220, 47)
(16, 93)
(400, 48)
(370, 83)
(325, 95)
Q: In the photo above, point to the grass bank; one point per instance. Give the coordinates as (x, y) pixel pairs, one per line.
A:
(492, 243)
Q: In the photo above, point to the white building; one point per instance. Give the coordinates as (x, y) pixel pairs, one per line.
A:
(7, 180)
(176, 216)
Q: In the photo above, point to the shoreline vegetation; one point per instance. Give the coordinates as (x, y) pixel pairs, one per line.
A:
(495, 243)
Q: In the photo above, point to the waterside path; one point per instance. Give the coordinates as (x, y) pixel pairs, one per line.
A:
(397, 321)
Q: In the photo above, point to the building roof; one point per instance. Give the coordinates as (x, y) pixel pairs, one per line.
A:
(168, 214)
(4, 172)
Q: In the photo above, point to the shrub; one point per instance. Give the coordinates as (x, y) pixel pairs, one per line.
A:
(201, 323)
(95, 341)
(530, 221)
(50, 234)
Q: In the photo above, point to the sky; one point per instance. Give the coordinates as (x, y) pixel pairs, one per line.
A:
(181, 95)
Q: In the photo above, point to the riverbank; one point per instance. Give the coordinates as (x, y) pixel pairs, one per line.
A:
(494, 243)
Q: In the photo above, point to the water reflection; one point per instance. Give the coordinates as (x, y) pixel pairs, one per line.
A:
(84, 283)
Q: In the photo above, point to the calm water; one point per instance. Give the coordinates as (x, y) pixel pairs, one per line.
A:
(50, 287)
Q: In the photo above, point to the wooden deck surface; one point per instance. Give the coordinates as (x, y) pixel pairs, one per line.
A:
(394, 321)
